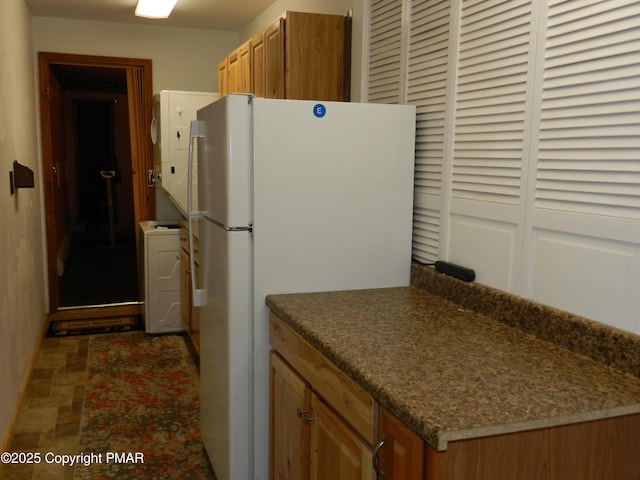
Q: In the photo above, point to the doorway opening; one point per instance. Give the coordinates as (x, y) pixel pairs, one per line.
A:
(100, 267)
(96, 152)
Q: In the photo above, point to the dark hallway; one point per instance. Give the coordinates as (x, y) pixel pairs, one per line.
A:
(100, 266)
(95, 275)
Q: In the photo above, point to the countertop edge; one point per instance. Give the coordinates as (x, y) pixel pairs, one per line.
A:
(473, 433)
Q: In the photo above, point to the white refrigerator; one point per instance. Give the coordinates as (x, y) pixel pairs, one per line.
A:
(294, 196)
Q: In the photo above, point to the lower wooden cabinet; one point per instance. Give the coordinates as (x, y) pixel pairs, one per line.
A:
(400, 455)
(336, 451)
(307, 439)
(289, 432)
(190, 317)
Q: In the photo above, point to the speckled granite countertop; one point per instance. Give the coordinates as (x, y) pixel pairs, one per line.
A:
(450, 373)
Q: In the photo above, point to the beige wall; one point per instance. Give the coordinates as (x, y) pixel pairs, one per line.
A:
(183, 58)
(22, 271)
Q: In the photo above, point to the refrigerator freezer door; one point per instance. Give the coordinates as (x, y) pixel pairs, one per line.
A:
(225, 356)
(333, 189)
(224, 161)
(333, 197)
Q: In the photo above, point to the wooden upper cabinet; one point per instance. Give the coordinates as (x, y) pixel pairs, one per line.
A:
(274, 59)
(314, 56)
(303, 56)
(244, 68)
(234, 71)
(233, 83)
(223, 85)
(258, 87)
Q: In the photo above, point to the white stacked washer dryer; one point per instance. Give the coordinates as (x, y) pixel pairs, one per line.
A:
(160, 277)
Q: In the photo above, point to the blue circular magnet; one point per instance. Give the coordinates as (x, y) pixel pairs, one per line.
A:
(319, 110)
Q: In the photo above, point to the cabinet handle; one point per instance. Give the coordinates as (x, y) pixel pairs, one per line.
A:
(376, 458)
(302, 414)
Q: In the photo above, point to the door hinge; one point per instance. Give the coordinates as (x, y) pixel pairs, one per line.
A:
(47, 94)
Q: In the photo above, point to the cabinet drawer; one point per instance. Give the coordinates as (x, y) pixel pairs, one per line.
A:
(352, 403)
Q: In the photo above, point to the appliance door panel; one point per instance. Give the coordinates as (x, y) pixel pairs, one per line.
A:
(183, 107)
(224, 173)
(163, 280)
(333, 195)
(226, 350)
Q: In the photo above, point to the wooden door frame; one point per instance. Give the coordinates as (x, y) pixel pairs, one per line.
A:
(142, 159)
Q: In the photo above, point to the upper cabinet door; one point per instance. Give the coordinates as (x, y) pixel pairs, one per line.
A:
(314, 56)
(244, 68)
(223, 84)
(274, 59)
(233, 71)
(258, 86)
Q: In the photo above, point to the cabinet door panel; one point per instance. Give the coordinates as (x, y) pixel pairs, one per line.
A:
(274, 60)
(314, 58)
(233, 73)
(353, 404)
(244, 68)
(402, 456)
(195, 313)
(185, 288)
(257, 65)
(289, 406)
(223, 80)
(336, 452)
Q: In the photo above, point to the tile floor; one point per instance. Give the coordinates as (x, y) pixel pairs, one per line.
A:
(50, 413)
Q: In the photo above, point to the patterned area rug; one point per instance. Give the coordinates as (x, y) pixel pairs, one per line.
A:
(141, 411)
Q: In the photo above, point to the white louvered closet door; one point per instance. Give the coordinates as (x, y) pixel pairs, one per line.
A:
(385, 52)
(589, 147)
(585, 219)
(493, 67)
(428, 82)
(492, 130)
(408, 63)
(527, 142)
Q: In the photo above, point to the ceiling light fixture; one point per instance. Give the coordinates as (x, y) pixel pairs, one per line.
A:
(155, 8)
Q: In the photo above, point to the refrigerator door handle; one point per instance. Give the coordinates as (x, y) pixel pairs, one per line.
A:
(199, 295)
(195, 131)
